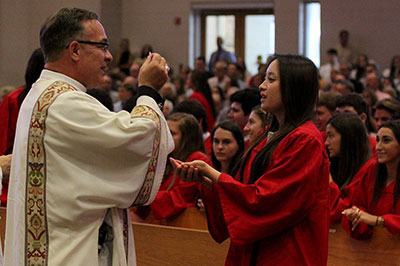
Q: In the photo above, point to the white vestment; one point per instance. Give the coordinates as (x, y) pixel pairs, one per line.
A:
(95, 160)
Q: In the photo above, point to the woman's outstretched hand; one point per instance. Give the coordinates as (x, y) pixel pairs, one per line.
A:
(355, 215)
(196, 171)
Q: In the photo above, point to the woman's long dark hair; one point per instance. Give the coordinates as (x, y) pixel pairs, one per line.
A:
(237, 134)
(32, 73)
(199, 79)
(191, 140)
(381, 171)
(355, 149)
(299, 90)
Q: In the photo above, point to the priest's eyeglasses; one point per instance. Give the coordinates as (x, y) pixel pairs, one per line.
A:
(101, 45)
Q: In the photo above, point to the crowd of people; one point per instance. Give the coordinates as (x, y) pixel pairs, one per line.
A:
(234, 145)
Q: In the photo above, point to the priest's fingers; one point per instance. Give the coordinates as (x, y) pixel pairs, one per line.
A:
(153, 72)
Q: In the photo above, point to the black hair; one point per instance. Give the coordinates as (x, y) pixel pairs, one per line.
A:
(194, 108)
(354, 100)
(332, 51)
(199, 79)
(248, 98)
(61, 29)
(32, 73)
(355, 149)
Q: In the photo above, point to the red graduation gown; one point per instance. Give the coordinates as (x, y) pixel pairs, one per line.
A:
(181, 196)
(341, 200)
(372, 143)
(203, 101)
(208, 146)
(285, 213)
(363, 199)
(9, 110)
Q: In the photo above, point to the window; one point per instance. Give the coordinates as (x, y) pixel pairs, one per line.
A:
(248, 31)
(220, 26)
(259, 40)
(311, 16)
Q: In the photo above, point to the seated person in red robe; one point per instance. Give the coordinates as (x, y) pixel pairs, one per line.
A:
(349, 153)
(194, 108)
(376, 200)
(279, 213)
(9, 110)
(197, 81)
(227, 146)
(175, 195)
(227, 149)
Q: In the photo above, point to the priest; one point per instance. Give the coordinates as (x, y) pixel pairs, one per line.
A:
(76, 166)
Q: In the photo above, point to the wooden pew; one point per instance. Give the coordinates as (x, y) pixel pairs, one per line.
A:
(189, 218)
(382, 248)
(167, 245)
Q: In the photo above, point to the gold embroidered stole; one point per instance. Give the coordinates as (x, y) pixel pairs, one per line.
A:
(36, 235)
(145, 191)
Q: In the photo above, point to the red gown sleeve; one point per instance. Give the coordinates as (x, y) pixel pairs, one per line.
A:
(361, 200)
(280, 198)
(341, 200)
(392, 222)
(215, 218)
(182, 195)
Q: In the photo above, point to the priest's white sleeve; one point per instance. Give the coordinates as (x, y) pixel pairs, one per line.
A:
(104, 155)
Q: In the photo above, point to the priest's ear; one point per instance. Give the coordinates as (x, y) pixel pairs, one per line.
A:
(74, 49)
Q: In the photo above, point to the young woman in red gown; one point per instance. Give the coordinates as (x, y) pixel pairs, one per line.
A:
(175, 195)
(350, 155)
(376, 200)
(275, 212)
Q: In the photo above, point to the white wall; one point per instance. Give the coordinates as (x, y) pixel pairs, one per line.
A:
(286, 26)
(373, 25)
(20, 23)
(152, 21)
